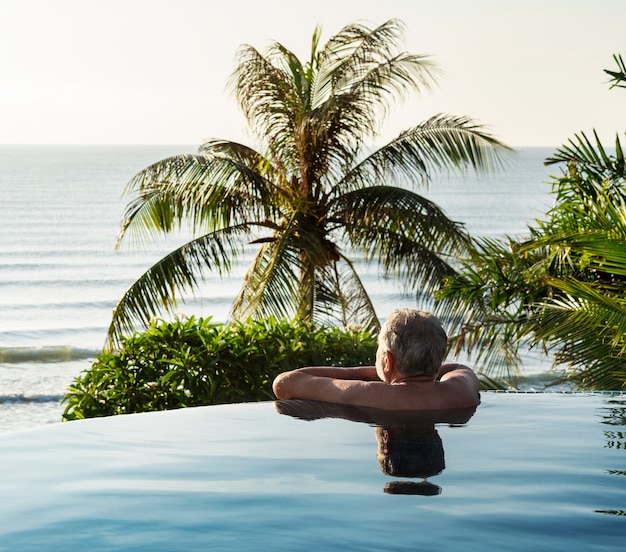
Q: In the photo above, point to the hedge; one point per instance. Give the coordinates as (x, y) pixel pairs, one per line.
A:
(196, 362)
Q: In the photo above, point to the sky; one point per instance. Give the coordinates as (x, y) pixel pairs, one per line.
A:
(155, 71)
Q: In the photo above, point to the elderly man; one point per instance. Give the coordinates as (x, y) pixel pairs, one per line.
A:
(409, 374)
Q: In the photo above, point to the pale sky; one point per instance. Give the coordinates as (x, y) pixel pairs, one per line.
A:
(155, 71)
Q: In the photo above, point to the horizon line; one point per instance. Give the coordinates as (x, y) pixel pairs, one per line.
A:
(178, 145)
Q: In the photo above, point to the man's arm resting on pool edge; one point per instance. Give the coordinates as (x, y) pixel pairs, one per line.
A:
(322, 382)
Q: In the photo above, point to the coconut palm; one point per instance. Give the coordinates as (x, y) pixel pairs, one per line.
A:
(316, 196)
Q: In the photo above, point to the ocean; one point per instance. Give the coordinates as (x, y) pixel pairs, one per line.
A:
(60, 275)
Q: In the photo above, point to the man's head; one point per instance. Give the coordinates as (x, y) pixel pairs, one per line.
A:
(416, 341)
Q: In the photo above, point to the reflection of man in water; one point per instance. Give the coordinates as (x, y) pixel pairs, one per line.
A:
(410, 454)
(409, 374)
(409, 446)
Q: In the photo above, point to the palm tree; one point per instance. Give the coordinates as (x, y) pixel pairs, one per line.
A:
(313, 194)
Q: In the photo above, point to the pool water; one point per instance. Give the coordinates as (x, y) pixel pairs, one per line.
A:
(532, 471)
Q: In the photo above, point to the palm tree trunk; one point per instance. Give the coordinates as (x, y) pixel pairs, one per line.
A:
(307, 290)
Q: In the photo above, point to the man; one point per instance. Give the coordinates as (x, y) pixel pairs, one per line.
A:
(409, 374)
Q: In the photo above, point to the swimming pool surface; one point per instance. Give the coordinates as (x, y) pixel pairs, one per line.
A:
(524, 472)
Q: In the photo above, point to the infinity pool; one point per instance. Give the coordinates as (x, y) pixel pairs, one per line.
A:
(523, 472)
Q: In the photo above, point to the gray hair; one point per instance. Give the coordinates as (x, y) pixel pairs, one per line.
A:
(416, 340)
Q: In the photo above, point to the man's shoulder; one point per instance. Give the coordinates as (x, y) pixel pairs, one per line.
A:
(453, 367)
(459, 372)
(460, 385)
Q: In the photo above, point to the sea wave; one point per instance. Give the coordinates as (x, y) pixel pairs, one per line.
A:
(25, 398)
(60, 353)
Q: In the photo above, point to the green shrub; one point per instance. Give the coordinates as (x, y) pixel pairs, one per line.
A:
(196, 362)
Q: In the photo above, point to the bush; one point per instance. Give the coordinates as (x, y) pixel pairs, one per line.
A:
(196, 362)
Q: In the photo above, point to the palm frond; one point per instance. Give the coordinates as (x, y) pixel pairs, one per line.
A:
(441, 144)
(587, 329)
(599, 251)
(562, 289)
(368, 68)
(386, 210)
(413, 265)
(176, 273)
(485, 305)
(586, 159)
(341, 296)
(271, 284)
(490, 348)
(618, 78)
(361, 71)
(363, 62)
(595, 239)
(270, 101)
(586, 300)
(220, 187)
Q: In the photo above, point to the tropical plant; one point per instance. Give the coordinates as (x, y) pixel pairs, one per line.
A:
(563, 289)
(584, 320)
(316, 195)
(197, 362)
(487, 305)
(618, 78)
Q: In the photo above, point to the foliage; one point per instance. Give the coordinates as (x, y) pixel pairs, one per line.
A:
(585, 319)
(197, 362)
(564, 288)
(315, 194)
(618, 78)
(487, 304)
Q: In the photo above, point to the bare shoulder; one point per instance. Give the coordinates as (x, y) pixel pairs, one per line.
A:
(457, 372)
(460, 383)
(454, 369)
